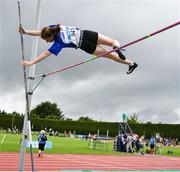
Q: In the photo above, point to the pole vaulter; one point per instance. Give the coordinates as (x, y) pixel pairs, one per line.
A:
(96, 57)
(123, 46)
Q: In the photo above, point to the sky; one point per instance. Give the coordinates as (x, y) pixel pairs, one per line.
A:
(100, 89)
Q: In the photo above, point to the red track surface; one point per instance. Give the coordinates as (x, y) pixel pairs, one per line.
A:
(56, 162)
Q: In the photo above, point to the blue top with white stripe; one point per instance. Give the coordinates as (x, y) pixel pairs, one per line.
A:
(42, 139)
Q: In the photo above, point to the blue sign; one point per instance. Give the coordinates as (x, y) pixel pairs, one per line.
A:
(35, 144)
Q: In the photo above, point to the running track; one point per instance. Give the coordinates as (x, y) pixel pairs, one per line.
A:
(57, 162)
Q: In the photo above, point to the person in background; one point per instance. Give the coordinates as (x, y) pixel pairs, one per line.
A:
(42, 138)
(129, 143)
(57, 133)
(177, 141)
(50, 132)
(69, 134)
(138, 145)
(89, 137)
(46, 130)
(152, 144)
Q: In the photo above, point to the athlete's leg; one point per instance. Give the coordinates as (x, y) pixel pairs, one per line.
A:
(107, 41)
(39, 153)
(111, 42)
(100, 50)
(115, 44)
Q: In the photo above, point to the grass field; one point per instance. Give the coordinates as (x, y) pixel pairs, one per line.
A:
(64, 145)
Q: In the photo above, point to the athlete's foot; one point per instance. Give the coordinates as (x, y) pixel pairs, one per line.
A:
(131, 68)
(39, 155)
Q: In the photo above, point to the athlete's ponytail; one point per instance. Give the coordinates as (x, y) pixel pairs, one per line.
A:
(56, 29)
(47, 32)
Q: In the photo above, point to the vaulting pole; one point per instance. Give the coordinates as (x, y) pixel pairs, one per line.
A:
(27, 110)
(28, 88)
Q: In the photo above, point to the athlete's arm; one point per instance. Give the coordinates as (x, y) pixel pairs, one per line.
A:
(36, 60)
(30, 32)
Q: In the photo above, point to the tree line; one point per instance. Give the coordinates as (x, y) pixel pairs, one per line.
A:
(48, 110)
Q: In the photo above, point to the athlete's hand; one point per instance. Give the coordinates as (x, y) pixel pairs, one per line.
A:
(26, 63)
(22, 30)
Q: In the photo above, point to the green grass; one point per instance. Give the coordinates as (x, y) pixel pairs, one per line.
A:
(176, 150)
(64, 145)
(61, 145)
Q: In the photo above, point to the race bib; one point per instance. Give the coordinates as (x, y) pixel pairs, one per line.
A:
(69, 34)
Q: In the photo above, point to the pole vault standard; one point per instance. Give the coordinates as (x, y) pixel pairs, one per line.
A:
(28, 88)
(91, 59)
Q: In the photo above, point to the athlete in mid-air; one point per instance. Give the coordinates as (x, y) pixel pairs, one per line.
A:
(72, 37)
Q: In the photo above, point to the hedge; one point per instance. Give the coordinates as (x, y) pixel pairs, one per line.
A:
(91, 127)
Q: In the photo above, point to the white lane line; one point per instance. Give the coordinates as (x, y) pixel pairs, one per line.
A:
(2, 140)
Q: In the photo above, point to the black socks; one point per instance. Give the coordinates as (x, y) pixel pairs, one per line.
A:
(121, 56)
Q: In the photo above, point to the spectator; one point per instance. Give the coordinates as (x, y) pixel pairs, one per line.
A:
(8, 130)
(42, 142)
(46, 130)
(89, 136)
(124, 142)
(53, 133)
(57, 133)
(152, 144)
(50, 132)
(95, 137)
(176, 141)
(120, 143)
(69, 134)
(129, 143)
(138, 144)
